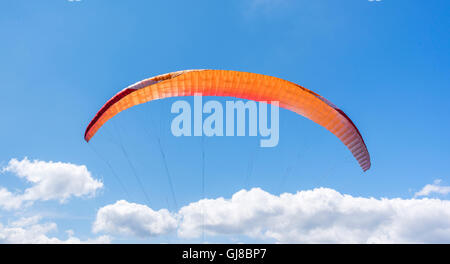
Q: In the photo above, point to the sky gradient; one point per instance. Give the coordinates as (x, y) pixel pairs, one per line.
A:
(386, 64)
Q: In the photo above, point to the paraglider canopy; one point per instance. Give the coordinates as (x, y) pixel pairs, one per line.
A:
(251, 86)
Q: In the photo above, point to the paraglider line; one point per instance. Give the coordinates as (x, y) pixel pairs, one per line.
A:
(138, 179)
(166, 167)
(203, 188)
(112, 170)
(172, 190)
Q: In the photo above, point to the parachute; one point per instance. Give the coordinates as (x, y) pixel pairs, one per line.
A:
(244, 85)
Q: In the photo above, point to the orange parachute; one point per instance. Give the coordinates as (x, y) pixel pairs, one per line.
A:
(251, 86)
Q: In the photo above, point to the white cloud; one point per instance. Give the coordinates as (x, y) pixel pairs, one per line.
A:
(131, 219)
(320, 215)
(29, 230)
(433, 188)
(49, 180)
(9, 201)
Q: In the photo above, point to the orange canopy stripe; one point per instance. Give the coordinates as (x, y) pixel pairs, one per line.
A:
(244, 85)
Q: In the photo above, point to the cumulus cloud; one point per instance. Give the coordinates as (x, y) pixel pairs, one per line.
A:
(49, 180)
(131, 219)
(320, 215)
(29, 230)
(8, 200)
(433, 188)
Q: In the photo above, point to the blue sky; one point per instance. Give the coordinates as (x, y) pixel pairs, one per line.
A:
(386, 64)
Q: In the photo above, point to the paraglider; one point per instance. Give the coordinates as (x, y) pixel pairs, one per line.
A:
(244, 85)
